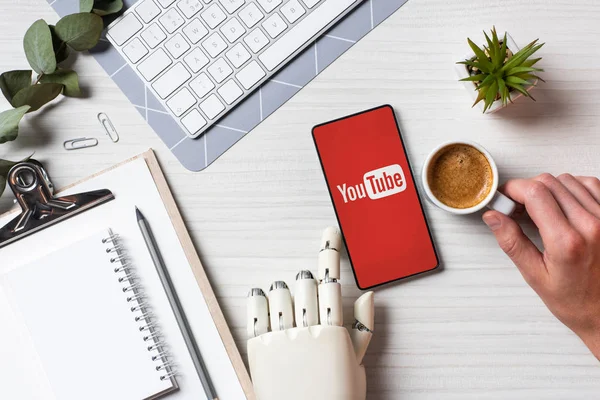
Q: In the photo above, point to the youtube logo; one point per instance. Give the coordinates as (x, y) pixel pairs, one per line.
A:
(376, 184)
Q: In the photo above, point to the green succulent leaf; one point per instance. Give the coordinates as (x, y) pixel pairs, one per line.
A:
(519, 88)
(80, 31)
(37, 44)
(520, 70)
(9, 123)
(522, 55)
(490, 96)
(66, 77)
(13, 81)
(474, 78)
(531, 63)
(502, 90)
(491, 49)
(107, 7)
(480, 96)
(503, 49)
(37, 95)
(480, 54)
(85, 6)
(61, 50)
(516, 80)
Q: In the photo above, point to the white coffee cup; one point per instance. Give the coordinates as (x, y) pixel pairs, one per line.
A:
(494, 200)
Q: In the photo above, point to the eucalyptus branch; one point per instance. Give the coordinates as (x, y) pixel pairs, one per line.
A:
(46, 47)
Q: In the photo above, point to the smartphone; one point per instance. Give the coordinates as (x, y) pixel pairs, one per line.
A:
(375, 197)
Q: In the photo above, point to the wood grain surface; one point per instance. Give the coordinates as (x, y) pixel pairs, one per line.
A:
(475, 330)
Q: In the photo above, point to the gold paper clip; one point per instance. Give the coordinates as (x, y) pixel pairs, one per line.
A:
(80, 143)
(108, 127)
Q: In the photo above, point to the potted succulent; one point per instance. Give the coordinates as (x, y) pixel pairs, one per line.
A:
(500, 72)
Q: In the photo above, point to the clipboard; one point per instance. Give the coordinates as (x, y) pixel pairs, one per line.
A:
(191, 255)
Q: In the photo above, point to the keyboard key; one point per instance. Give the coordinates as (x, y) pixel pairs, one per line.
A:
(238, 55)
(154, 64)
(171, 20)
(212, 106)
(251, 15)
(165, 3)
(230, 91)
(310, 3)
(269, 5)
(181, 102)
(233, 30)
(153, 36)
(274, 25)
(256, 40)
(202, 85)
(220, 70)
(213, 16)
(292, 11)
(196, 60)
(193, 122)
(231, 5)
(171, 80)
(195, 31)
(250, 75)
(189, 8)
(214, 45)
(177, 45)
(123, 30)
(135, 50)
(147, 10)
(303, 32)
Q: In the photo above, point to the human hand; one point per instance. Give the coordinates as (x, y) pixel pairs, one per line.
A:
(317, 361)
(566, 275)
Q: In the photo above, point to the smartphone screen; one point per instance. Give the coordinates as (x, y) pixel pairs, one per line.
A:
(375, 197)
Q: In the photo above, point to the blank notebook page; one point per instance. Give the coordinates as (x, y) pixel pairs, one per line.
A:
(72, 307)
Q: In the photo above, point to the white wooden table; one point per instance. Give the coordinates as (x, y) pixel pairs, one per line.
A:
(473, 331)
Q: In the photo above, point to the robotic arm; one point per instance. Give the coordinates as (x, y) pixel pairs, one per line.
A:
(318, 359)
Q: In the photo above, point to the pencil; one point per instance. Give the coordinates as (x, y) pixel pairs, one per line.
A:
(182, 321)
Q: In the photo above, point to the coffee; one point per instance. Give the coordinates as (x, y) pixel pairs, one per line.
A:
(460, 176)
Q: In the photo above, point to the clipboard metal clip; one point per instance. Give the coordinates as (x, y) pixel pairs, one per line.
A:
(34, 191)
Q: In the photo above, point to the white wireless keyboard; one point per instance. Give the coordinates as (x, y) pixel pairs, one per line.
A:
(202, 57)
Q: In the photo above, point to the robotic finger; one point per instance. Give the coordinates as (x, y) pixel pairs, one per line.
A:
(330, 290)
(305, 300)
(364, 324)
(280, 307)
(257, 313)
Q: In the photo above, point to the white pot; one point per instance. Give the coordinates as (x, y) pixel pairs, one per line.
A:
(463, 72)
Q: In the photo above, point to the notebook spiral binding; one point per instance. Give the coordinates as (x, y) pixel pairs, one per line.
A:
(139, 306)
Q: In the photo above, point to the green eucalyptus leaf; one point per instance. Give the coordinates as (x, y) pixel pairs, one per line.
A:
(38, 48)
(85, 6)
(37, 95)
(66, 77)
(107, 7)
(13, 81)
(61, 50)
(80, 31)
(9, 123)
(5, 166)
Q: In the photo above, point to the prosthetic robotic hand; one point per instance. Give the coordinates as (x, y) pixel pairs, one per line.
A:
(318, 359)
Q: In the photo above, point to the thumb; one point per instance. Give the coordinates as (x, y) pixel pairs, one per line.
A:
(521, 250)
(362, 330)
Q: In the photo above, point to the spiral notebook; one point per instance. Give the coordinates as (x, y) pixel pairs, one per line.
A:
(82, 309)
(67, 330)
